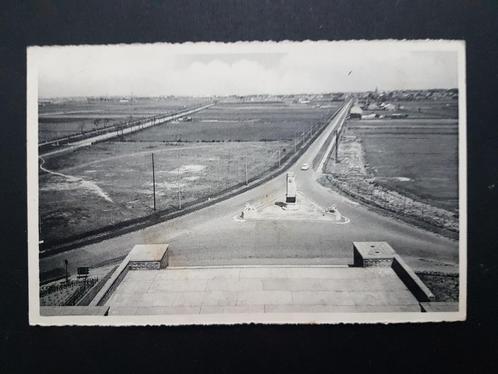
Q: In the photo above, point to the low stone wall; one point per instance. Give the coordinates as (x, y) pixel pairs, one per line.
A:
(113, 282)
(381, 254)
(359, 261)
(90, 295)
(145, 265)
(137, 259)
(372, 254)
(411, 280)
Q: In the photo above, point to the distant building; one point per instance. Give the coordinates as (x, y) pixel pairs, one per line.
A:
(369, 116)
(399, 115)
(355, 112)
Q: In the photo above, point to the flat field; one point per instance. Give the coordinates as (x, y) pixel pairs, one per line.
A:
(111, 182)
(59, 119)
(418, 158)
(240, 122)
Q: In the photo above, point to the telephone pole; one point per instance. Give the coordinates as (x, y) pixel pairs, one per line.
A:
(228, 169)
(237, 170)
(153, 182)
(246, 166)
(178, 184)
(67, 274)
(336, 146)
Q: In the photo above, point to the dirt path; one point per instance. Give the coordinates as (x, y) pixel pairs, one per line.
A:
(78, 182)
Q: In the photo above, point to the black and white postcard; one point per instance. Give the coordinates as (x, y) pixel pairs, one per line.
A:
(267, 182)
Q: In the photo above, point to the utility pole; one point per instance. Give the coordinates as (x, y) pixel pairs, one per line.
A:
(237, 168)
(246, 167)
(220, 171)
(228, 169)
(336, 146)
(178, 184)
(153, 182)
(67, 274)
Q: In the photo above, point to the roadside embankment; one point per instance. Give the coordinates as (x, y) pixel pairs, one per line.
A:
(350, 176)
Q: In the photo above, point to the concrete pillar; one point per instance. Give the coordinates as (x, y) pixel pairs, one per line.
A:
(290, 195)
(368, 254)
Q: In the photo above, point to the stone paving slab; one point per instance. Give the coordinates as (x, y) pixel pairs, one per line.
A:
(198, 273)
(117, 310)
(179, 285)
(209, 309)
(264, 297)
(269, 289)
(249, 284)
(340, 308)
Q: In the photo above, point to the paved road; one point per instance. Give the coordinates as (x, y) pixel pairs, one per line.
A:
(211, 236)
(70, 147)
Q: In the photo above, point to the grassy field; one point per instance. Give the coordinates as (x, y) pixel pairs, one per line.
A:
(58, 119)
(112, 182)
(416, 156)
(239, 122)
(445, 287)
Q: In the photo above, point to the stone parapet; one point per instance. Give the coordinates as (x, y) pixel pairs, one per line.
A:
(148, 257)
(377, 254)
(381, 254)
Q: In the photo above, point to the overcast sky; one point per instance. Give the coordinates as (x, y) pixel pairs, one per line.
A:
(203, 69)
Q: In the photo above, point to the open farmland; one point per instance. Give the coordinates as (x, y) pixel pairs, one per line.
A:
(406, 167)
(416, 158)
(409, 166)
(61, 118)
(239, 122)
(111, 182)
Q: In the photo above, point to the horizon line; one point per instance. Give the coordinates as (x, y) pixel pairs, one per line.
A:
(248, 95)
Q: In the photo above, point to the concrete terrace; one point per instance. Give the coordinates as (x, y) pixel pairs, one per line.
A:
(269, 289)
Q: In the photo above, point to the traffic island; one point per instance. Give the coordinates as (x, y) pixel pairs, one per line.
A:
(303, 209)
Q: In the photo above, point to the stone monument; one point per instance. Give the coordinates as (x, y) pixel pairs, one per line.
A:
(290, 195)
